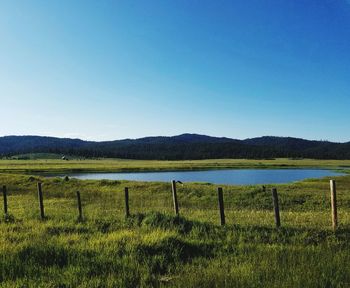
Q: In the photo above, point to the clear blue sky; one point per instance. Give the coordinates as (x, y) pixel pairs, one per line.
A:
(107, 70)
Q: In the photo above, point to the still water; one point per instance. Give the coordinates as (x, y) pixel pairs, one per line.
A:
(230, 176)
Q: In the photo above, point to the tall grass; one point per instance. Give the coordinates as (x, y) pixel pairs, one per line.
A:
(154, 248)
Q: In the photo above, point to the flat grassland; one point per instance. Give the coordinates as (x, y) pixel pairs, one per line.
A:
(153, 248)
(122, 165)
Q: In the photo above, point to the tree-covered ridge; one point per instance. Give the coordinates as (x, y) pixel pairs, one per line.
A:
(181, 147)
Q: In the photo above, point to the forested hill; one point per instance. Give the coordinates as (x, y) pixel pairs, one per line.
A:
(185, 146)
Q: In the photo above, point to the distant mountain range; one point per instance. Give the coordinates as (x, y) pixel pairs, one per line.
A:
(185, 146)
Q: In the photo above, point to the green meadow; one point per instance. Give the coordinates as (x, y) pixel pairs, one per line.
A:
(153, 248)
(36, 164)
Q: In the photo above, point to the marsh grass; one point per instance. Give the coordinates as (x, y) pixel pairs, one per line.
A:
(155, 248)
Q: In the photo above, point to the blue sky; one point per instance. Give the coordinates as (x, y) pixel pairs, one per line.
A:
(106, 70)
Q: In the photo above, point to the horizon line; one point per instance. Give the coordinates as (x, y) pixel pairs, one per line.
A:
(170, 136)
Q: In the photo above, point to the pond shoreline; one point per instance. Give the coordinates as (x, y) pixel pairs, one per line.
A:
(218, 176)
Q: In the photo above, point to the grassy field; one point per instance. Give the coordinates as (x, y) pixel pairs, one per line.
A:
(153, 248)
(119, 165)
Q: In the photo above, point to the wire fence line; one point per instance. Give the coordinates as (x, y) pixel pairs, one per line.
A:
(120, 203)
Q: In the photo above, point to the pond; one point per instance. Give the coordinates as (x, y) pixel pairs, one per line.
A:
(229, 176)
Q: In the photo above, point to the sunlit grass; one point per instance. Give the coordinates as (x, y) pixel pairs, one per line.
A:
(155, 248)
(120, 165)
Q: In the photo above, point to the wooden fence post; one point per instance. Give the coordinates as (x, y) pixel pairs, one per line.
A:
(334, 204)
(126, 193)
(176, 205)
(221, 206)
(276, 207)
(41, 201)
(79, 207)
(4, 193)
